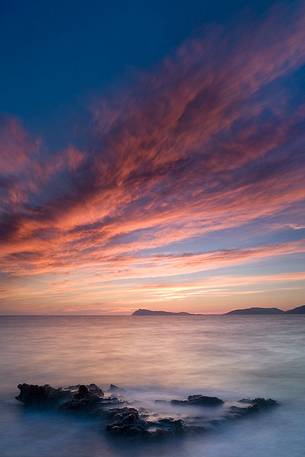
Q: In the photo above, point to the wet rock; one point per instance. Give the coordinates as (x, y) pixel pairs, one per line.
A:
(111, 401)
(122, 419)
(42, 396)
(171, 425)
(252, 406)
(127, 421)
(90, 391)
(115, 388)
(130, 421)
(83, 392)
(260, 403)
(86, 399)
(199, 400)
(93, 388)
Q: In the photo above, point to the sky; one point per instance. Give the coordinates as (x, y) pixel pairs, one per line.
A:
(152, 155)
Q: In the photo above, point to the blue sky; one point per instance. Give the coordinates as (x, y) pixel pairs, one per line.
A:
(151, 154)
(56, 55)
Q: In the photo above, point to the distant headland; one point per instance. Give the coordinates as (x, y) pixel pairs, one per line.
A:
(236, 312)
(265, 311)
(149, 312)
(255, 311)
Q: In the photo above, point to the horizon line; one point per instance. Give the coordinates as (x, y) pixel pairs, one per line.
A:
(100, 315)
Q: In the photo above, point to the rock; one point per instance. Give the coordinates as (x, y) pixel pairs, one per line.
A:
(111, 401)
(261, 403)
(83, 392)
(127, 421)
(74, 398)
(171, 425)
(115, 388)
(93, 388)
(42, 396)
(252, 406)
(86, 399)
(199, 400)
(122, 419)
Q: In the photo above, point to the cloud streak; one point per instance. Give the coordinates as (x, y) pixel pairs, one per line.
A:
(211, 140)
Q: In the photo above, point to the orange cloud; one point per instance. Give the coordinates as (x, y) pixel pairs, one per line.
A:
(210, 140)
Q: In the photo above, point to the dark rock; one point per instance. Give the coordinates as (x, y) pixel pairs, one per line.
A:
(204, 400)
(74, 399)
(121, 413)
(199, 400)
(83, 392)
(93, 388)
(42, 396)
(127, 421)
(171, 425)
(86, 399)
(252, 406)
(88, 391)
(121, 419)
(111, 401)
(261, 403)
(115, 388)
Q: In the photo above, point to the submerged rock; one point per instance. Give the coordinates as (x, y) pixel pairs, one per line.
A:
(252, 406)
(121, 418)
(115, 388)
(127, 421)
(199, 400)
(171, 425)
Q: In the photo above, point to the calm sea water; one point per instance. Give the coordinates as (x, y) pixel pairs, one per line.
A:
(232, 357)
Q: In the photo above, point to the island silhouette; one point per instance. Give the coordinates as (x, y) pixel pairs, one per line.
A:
(236, 312)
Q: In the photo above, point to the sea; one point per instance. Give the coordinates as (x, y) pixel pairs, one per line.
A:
(232, 357)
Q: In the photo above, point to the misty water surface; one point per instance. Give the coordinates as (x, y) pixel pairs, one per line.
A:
(232, 357)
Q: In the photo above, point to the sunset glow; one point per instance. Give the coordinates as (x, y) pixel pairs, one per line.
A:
(184, 191)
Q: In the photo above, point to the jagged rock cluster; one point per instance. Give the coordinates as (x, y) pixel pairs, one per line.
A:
(122, 418)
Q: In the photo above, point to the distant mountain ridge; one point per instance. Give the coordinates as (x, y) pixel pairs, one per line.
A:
(297, 310)
(265, 311)
(236, 312)
(148, 312)
(255, 311)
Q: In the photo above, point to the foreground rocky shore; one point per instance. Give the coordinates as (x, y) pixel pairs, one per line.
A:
(196, 413)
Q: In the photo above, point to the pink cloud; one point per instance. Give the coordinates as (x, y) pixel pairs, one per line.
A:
(195, 146)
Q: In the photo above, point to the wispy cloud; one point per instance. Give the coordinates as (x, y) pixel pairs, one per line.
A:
(211, 139)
